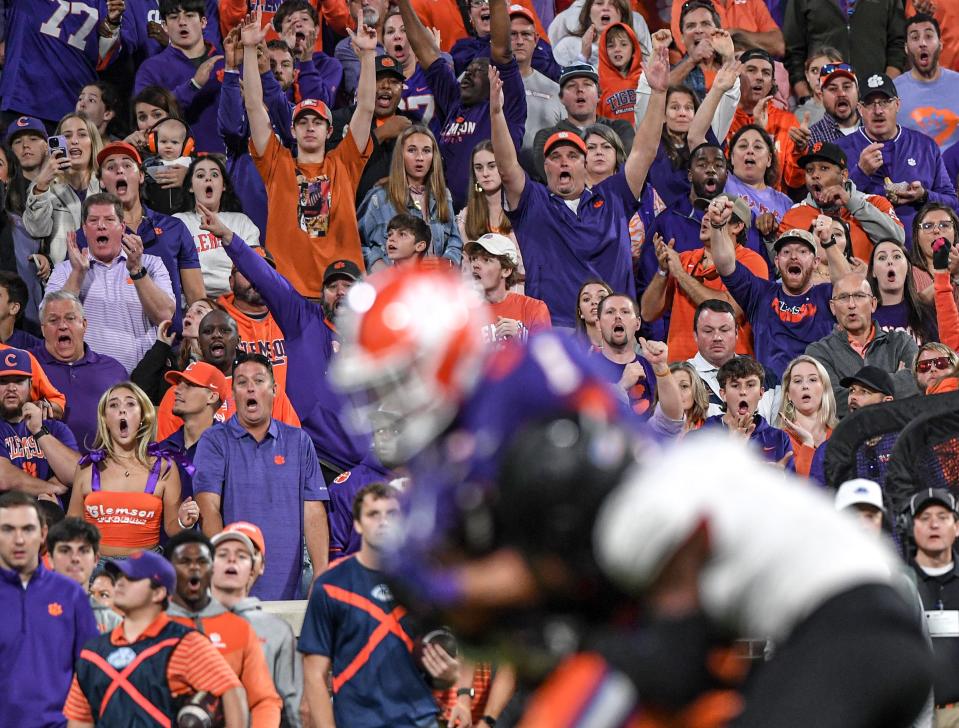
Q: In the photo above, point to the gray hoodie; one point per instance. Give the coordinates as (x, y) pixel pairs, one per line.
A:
(279, 645)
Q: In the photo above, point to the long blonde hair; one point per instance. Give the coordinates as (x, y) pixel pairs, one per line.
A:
(96, 141)
(826, 416)
(398, 186)
(477, 222)
(146, 432)
(697, 413)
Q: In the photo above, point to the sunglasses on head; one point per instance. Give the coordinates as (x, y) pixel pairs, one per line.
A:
(940, 362)
(833, 67)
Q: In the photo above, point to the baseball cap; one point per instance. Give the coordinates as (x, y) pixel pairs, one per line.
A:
(859, 491)
(796, 235)
(250, 530)
(870, 377)
(525, 12)
(121, 148)
(495, 244)
(564, 137)
(754, 53)
(145, 565)
(878, 83)
(388, 65)
(577, 70)
(25, 123)
(234, 536)
(824, 151)
(342, 269)
(930, 497)
(830, 71)
(202, 375)
(313, 106)
(15, 363)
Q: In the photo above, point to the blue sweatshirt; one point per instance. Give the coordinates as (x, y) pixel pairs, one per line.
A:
(43, 629)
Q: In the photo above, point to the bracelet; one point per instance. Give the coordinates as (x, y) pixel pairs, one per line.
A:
(714, 226)
(489, 720)
(662, 272)
(181, 524)
(664, 373)
(194, 84)
(139, 274)
(829, 244)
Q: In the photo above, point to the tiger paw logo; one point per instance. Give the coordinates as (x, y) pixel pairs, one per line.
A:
(279, 459)
(54, 609)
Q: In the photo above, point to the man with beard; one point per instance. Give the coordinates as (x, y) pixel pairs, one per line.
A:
(929, 93)
(369, 12)
(191, 554)
(903, 164)
(218, 340)
(464, 106)
(840, 99)
(37, 455)
(871, 218)
(309, 331)
(789, 315)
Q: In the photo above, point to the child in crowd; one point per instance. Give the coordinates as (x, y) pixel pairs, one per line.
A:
(407, 239)
(620, 63)
(171, 144)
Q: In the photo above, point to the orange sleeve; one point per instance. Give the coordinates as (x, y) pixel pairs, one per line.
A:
(283, 410)
(947, 315)
(167, 422)
(232, 13)
(445, 17)
(42, 388)
(762, 17)
(196, 665)
(336, 16)
(674, 26)
(755, 263)
(77, 707)
(264, 701)
(886, 206)
(350, 159)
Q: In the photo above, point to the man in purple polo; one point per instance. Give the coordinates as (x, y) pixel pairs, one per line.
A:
(255, 468)
(75, 369)
(569, 232)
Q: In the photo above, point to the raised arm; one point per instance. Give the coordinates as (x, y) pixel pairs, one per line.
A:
(252, 33)
(501, 49)
(838, 265)
(667, 389)
(421, 40)
(646, 143)
(364, 45)
(721, 243)
(512, 174)
(725, 79)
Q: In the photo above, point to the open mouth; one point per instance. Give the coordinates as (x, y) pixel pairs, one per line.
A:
(619, 329)
(924, 57)
(75, 153)
(806, 398)
(392, 249)
(749, 162)
(398, 48)
(124, 427)
(208, 191)
(194, 581)
(711, 185)
(251, 404)
(816, 188)
(891, 276)
(605, 19)
(484, 16)
(231, 571)
(102, 239)
(299, 37)
(122, 186)
(64, 340)
(217, 348)
(742, 409)
(565, 177)
(794, 269)
(758, 90)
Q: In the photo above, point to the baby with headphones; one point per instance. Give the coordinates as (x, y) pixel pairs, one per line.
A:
(170, 145)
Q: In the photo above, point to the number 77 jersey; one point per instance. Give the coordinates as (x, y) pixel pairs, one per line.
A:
(52, 51)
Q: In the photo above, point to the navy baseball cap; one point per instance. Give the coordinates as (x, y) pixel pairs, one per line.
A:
(386, 65)
(23, 124)
(577, 70)
(341, 269)
(145, 565)
(15, 363)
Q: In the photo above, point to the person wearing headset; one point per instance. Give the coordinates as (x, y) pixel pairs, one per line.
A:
(171, 146)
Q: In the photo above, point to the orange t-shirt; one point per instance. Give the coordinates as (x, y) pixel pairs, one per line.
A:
(168, 423)
(40, 385)
(260, 336)
(802, 216)
(531, 312)
(312, 211)
(235, 639)
(194, 665)
(750, 15)
(779, 122)
(681, 344)
(444, 15)
(125, 519)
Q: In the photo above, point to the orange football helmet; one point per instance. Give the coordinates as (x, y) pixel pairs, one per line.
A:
(412, 346)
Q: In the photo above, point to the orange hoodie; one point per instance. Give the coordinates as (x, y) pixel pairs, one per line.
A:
(617, 89)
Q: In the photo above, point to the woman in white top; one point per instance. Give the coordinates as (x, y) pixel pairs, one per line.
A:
(576, 30)
(208, 183)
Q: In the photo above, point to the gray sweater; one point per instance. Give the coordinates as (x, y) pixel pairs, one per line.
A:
(888, 350)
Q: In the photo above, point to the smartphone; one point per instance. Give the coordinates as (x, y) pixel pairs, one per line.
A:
(57, 145)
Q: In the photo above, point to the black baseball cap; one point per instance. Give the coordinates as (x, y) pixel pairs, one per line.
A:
(874, 378)
(824, 151)
(389, 66)
(577, 70)
(931, 497)
(877, 83)
(753, 53)
(341, 269)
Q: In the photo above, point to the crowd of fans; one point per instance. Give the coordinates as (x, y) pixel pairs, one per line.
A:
(743, 213)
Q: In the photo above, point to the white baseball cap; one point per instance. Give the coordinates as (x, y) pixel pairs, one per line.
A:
(859, 491)
(496, 244)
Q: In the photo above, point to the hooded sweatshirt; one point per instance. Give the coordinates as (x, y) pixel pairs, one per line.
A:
(279, 647)
(237, 641)
(617, 89)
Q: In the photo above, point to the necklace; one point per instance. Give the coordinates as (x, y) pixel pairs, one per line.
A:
(126, 468)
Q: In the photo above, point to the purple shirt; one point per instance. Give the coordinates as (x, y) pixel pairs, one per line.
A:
(562, 248)
(773, 442)
(309, 348)
(463, 127)
(783, 325)
(265, 483)
(895, 317)
(641, 395)
(760, 201)
(344, 540)
(82, 382)
(19, 446)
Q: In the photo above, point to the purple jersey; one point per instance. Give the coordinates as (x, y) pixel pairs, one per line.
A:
(20, 447)
(344, 540)
(51, 54)
(417, 101)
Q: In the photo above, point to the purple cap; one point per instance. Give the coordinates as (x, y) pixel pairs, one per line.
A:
(25, 123)
(145, 565)
(15, 363)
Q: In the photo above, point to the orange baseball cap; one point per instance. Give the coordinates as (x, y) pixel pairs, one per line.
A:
(121, 148)
(251, 531)
(202, 375)
(313, 106)
(516, 9)
(564, 137)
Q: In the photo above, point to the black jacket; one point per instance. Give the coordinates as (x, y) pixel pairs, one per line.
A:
(942, 592)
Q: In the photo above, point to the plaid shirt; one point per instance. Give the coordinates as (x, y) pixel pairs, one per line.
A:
(825, 130)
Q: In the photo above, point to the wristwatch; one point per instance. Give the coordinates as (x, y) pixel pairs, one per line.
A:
(142, 273)
(44, 430)
(489, 720)
(466, 691)
(829, 243)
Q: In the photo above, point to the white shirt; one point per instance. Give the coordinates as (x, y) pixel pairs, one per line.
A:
(214, 262)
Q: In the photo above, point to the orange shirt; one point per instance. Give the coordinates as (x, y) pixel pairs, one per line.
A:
(168, 423)
(444, 15)
(802, 216)
(312, 211)
(531, 312)
(260, 336)
(334, 14)
(125, 520)
(947, 13)
(749, 15)
(779, 122)
(235, 639)
(194, 665)
(682, 309)
(40, 385)
(802, 453)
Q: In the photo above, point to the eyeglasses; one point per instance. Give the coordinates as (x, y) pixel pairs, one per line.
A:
(940, 362)
(478, 3)
(883, 102)
(833, 67)
(858, 297)
(937, 225)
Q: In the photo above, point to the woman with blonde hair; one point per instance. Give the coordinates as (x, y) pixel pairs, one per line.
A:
(416, 185)
(692, 390)
(127, 486)
(66, 178)
(808, 409)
